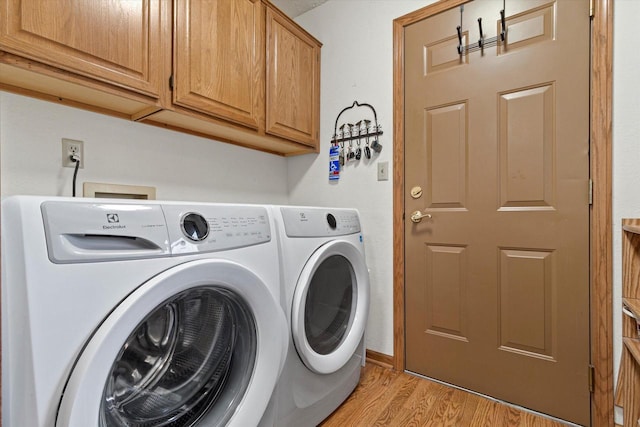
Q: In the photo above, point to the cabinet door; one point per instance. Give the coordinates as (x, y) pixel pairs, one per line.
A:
(115, 41)
(293, 81)
(219, 59)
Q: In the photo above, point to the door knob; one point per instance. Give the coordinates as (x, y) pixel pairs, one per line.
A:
(417, 216)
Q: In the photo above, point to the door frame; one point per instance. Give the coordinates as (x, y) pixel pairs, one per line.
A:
(601, 257)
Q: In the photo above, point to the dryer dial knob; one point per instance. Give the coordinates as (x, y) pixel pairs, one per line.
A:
(195, 227)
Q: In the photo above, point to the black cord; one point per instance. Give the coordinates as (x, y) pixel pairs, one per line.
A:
(75, 174)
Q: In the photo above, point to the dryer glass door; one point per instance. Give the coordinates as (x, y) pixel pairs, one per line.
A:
(330, 306)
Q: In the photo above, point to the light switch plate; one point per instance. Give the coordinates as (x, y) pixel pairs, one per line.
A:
(383, 171)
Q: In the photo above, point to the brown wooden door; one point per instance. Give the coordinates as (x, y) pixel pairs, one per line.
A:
(219, 58)
(113, 41)
(497, 280)
(293, 81)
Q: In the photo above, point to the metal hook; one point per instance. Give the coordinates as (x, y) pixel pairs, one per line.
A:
(481, 39)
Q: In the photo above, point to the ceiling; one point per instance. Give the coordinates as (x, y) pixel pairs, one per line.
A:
(294, 8)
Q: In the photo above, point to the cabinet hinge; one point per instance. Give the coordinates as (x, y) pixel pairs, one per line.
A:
(171, 82)
(592, 11)
(592, 378)
(590, 192)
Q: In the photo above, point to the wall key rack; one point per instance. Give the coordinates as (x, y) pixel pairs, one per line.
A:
(364, 131)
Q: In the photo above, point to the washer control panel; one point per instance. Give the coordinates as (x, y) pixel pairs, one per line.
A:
(319, 222)
(107, 231)
(205, 228)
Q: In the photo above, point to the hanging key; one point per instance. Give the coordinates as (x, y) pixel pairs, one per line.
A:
(367, 150)
(375, 145)
(351, 154)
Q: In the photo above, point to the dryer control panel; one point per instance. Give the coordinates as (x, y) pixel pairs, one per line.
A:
(319, 222)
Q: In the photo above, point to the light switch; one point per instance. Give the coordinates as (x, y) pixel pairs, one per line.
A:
(383, 171)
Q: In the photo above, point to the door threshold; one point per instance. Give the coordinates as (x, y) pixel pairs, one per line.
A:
(493, 399)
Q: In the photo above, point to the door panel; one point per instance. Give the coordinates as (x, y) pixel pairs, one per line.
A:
(497, 280)
(447, 151)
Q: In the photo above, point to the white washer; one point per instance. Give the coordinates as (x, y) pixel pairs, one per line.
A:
(138, 313)
(325, 295)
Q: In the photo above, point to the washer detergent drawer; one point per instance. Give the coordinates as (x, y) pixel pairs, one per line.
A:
(95, 231)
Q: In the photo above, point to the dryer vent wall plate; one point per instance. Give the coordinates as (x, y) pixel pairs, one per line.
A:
(118, 191)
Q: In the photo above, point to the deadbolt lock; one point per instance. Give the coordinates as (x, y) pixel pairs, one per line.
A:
(416, 192)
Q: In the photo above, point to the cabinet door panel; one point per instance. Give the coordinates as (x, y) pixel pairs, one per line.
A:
(219, 58)
(113, 41)
(293, 82)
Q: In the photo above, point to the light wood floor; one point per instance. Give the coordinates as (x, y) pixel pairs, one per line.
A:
(388, 398)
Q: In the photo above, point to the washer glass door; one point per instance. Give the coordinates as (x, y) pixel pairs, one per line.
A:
(176, 363)
(330, 306)
(202, 343)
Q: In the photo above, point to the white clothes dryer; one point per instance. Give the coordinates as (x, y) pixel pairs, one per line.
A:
(325, 296)
(138, 313)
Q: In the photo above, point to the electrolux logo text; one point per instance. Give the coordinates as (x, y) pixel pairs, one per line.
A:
(113, 218)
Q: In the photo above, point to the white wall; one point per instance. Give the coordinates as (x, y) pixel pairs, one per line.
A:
(626, 143)
(180, 166)
(357, 64)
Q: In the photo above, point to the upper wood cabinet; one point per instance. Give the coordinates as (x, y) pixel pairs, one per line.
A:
(219, 58)
(293, 81)
(118, 42)
(237, 71)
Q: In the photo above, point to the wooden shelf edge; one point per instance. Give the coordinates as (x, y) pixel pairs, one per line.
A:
(635, 229)
(633, 345)
(633, 304)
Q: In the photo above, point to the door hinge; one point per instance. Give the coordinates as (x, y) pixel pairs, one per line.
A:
(171, 82)
(592, 378)
(591, 9)
(590, 192)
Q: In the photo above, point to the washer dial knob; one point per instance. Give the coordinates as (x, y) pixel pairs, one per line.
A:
(332, 221)
(195, 227)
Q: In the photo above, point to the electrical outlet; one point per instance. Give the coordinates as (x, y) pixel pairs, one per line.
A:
(383, 171)
(69, 148)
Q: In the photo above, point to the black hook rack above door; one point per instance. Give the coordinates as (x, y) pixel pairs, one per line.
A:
(482, 42)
